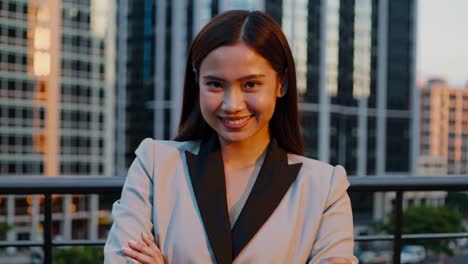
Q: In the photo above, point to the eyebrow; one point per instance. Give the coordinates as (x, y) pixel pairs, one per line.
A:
(248, 77)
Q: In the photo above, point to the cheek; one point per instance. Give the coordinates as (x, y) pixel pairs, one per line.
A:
(209, 102)
(264, 104)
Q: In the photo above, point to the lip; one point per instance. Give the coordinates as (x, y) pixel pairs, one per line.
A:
(235, 122)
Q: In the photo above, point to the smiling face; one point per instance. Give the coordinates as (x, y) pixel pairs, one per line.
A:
(238, 92)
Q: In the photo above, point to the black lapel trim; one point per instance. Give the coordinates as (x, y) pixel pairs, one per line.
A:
(273, 181)
(207, 175)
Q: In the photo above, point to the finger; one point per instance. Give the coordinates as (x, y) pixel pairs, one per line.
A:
(150, 243)
(136, 261)
(137, 257)
(142, 248)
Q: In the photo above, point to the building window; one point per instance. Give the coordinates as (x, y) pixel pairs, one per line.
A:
(12, 7)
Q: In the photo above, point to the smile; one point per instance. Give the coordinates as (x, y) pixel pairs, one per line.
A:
(235, 122)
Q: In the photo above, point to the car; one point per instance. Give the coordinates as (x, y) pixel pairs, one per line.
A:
(413, 254)
(462, 242)
(367, 256)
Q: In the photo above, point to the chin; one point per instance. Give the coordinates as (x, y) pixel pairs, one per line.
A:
(233, 138)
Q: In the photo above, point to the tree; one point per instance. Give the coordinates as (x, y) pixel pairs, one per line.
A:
(458, 201)
(78, 255)
(428, 219)
(4, 228)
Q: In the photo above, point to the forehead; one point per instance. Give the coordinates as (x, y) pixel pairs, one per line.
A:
(234, 60)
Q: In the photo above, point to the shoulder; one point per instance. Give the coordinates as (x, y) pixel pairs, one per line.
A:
(152, 152)
(152, 147)
(321, 176)
(310, 165)
(317, 168)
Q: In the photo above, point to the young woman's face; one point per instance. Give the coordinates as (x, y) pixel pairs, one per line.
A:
(238, 92)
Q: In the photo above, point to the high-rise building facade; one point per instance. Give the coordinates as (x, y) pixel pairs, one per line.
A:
(57, 76)
(444, 128)
(135, 77)
(360, 96)
(360, 107)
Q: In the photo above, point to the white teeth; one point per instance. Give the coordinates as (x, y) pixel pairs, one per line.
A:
(237, 121)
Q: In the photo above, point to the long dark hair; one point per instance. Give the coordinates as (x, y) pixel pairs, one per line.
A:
(260, 32)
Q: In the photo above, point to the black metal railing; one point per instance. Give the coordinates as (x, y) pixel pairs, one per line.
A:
(49, 186)
(399, 185)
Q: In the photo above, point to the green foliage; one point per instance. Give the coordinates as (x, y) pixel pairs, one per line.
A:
(428, 219)
(3, 230)
(459, 201)
(78, 255)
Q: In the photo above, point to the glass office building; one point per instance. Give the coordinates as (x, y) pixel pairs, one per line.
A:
(57, 71)
(360, 108)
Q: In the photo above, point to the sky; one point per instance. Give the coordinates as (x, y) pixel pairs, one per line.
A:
(442, 43)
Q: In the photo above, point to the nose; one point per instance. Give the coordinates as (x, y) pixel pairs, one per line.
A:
(233, 100)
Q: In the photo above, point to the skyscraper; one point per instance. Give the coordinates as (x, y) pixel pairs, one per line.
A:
(444, 127)
(360, 80)
(360, 105)
(135, 77)
(56, 104)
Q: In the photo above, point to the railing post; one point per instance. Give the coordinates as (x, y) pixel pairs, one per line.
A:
(398, 227)
(47, 247)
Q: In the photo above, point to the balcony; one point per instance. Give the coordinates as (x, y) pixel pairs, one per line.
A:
(48, 186)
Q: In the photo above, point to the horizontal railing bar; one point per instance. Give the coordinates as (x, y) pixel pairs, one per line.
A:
(412, 236)
(60, 184)
(374, 238)
(79, 243)
(357, 238)
(106, 184)
(434, 236)
(20, 243)
(414, 183)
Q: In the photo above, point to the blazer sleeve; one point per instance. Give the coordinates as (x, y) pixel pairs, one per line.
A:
(132, 213)
(335, 234)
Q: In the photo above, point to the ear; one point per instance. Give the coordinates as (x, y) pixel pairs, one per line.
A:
(282, 89)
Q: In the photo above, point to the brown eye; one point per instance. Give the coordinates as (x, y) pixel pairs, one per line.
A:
(251, 85)
(214, 85)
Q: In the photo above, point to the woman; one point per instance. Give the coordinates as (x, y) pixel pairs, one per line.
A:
(234, 186)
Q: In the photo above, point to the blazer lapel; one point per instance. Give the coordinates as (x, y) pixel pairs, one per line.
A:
(273, 181)
(207, 175)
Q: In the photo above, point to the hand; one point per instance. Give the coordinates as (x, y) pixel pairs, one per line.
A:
(339, 260)
(144, 253)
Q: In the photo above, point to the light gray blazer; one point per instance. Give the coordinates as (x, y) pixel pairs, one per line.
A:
(298, 210)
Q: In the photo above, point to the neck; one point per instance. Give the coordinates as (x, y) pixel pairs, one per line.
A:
(243, 154)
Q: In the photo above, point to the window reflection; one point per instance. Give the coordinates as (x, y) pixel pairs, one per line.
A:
(331, 48)
(294, 24)
(362, 49)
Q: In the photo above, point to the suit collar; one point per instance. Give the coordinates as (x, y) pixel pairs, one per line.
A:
(207, 175)
(273, 181)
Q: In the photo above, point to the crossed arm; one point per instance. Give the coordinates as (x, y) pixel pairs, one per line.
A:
(146, 252)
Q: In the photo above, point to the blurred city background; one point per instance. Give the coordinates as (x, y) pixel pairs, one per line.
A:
(383, 88)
